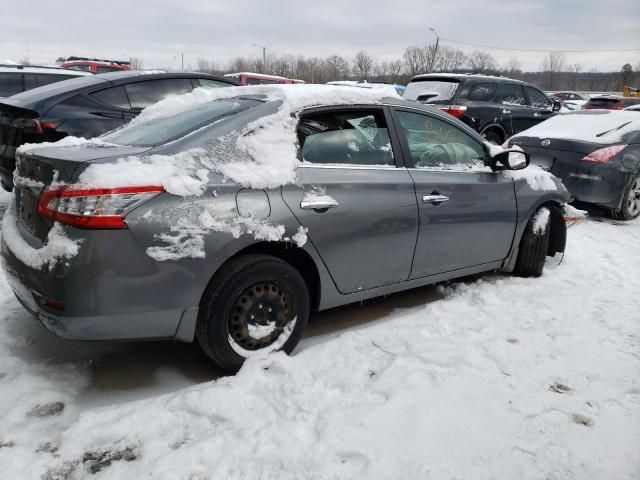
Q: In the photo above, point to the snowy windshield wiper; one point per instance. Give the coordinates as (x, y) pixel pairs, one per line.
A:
(613, 129)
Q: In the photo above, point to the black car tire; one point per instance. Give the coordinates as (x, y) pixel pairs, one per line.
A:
(533, 249)
(245, 289)
(631, 194)
(493, 137)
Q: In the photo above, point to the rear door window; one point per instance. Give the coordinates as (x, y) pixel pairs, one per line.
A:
(143, 94)
(350, 137)
(82, 68)
(30, 81)
(512, 94)
(115, 96)
(537, 99)
(10, 83)
(482, 92)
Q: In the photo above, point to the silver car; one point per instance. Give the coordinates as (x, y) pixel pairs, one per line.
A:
(387, 196)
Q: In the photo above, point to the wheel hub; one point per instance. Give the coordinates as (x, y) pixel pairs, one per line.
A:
(259, 315)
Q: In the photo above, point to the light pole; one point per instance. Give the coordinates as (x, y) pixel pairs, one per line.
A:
(435, 50)
(264, 56)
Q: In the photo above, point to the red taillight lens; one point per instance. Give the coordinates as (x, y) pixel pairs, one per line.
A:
(455, 110)
(96, 208)
(31, 126)
(604, 155)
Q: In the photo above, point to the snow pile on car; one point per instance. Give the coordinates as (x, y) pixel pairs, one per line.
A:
(595, 126)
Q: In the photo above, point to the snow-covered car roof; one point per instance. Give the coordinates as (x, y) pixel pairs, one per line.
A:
(595, 126)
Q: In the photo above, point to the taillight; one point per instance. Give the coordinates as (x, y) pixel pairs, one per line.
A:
(95, 208)
(604, 155)
(31, 126)
(455, 110)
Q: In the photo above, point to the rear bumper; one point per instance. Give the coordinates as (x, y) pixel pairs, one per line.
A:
(598, 184)
(111, 290)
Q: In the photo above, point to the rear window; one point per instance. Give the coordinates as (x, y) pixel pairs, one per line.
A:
(48, 78)
(58, 88)
(114, 96)
(10, 83)
(605, 101)
(431, 90)
(482, 92)
(166, 129)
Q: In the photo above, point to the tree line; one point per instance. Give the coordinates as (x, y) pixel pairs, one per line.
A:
(556, 71)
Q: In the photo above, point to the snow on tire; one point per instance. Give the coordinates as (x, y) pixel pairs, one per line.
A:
(534, 244)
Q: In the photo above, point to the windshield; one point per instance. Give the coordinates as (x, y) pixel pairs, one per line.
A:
(166, 129)
(431, 90)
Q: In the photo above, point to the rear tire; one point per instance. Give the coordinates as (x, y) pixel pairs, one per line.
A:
(255, 304)
(533, 248)
(630, 207)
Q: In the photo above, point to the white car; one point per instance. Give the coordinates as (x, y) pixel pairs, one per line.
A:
(633, 108)
(18, 78)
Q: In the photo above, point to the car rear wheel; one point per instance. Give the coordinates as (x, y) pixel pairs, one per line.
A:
(534, 245)
(630, 207)
(256, 304)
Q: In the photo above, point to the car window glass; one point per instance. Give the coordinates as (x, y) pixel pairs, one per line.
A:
(172, 127)
(512, 94)
(143, 94)
(434, 143)
(102, 69)
(537, 99)
(30, 81)
(10, 84)
(260, 81)
(84, 68)
(206, 83)
(345, 137)
(482, 92)
(47, 78)
(115, 96)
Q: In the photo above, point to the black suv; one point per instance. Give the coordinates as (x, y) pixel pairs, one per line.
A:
(86, 107)
(496, 107)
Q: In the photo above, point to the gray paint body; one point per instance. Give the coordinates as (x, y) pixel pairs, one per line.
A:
(380, 239)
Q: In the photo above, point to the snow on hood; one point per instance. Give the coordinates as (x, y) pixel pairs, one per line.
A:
(595, 126)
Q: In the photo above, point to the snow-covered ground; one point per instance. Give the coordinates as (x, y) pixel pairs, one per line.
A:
(494, 377)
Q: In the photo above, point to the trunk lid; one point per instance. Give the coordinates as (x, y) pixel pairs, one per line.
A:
(37, 169)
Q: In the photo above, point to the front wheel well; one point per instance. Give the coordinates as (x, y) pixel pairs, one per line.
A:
(558, 233)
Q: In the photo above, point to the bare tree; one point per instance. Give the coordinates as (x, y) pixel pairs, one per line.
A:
(395, 68)
(337, 67)
(482, 62)
(363, 63)
(551, 65)
(450, 59)
(415, 60)
(574, 70)
(513, 67)
(136, 63)
(626, 74)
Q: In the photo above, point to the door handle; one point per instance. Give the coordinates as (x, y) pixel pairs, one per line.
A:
(318, 204)
(435, 199)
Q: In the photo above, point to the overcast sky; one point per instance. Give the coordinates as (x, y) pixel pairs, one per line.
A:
(159, 30)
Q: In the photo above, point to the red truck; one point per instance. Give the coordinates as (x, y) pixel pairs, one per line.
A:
(94, 65)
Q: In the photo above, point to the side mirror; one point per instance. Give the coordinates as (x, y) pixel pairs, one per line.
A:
(514, 159)
(557, 105)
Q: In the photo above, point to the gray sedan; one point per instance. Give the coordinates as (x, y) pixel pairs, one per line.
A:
(387, 196)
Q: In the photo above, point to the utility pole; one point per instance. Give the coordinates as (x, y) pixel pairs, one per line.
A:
(264, 57)
(435, 50)
(182, 61)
